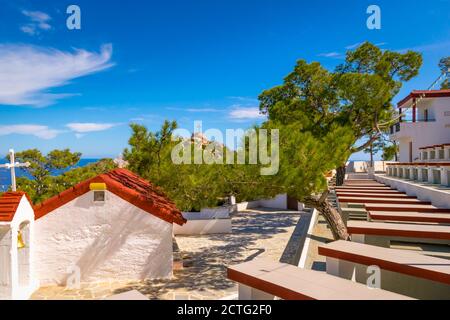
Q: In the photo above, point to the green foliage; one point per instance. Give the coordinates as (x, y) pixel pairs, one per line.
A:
(41, 167)
(444, 65)
(190, 186)
(319, 114)
(390, 152)
(42, 183)
(305, 158)
(357, 95)
(375, 147)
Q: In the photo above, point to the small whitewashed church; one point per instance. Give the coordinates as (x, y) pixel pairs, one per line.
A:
(114, 226)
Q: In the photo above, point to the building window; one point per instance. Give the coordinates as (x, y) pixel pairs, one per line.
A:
(433, 155)
(99, 196)
(441, 154)
(425, 155)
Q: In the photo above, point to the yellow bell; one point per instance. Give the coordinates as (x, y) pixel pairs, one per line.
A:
(20, 243)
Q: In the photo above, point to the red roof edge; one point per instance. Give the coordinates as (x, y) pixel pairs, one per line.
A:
(9, 202)
(128, 186)
(428, 94)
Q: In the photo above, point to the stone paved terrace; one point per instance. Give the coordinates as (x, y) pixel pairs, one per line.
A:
(256, 233)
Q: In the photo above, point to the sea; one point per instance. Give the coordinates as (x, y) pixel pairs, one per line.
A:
(5, 174)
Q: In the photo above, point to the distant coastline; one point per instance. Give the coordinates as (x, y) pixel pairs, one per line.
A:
(5, 177)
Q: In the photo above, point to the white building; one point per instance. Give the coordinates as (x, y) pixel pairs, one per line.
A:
(114, 226)
(426, 124)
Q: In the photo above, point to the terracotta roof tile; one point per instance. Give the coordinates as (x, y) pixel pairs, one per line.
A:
(127, 186)
(9, 201)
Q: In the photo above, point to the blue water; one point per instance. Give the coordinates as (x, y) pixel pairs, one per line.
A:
(5, 175)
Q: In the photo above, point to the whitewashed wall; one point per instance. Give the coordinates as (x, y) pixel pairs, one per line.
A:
(115, 240)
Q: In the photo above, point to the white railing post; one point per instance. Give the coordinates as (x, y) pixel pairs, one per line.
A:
(430, 175)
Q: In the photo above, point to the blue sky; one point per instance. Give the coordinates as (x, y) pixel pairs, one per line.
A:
(146, 61)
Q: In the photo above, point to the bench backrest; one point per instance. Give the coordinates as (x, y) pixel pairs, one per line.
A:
(399, 230)
(368, 199)
(404, 207)
(292, 283)
(410, 216)
(401, 261)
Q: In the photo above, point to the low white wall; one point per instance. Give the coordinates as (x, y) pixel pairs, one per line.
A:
(209, 213)
(197, 227)
(247, 205)
(279, 202)
(438, 198)
(362, 166)
(114, 240)
(217, 220)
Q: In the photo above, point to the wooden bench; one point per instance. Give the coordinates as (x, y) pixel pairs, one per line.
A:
(364, 188)
(368, 199)
(374, 195)
(409, 216)
(402, 271)
(262, 279)
(403, 207)
(362, 183)
(367, 191)
(381, 234)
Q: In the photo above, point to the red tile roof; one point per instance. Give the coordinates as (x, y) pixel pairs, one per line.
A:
(9, 201)
(426, 93)
(127, 186)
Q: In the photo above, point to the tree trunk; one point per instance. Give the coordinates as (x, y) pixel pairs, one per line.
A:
(331, 215)
(371, 156)
(340, 175)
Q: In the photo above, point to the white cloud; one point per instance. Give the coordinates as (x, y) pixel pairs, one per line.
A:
(85, 127)
(28, 72)
(38, 21)
(243, 99)
(353, 46)
(29, 29)
(43, 132)
(245, 113)
(195, 110)
(330, 55)
(203, 110)
(437, 46)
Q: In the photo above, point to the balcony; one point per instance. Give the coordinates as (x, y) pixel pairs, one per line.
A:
(408, 128)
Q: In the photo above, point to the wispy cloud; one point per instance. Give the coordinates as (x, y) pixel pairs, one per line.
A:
(195, 110)
(39, 21)
(86, 127)
(28, 72)
(43, 132)
(243, 99)
(428, 47)
(353, 46)
(245, 113)
(333, 54)
(137, 119)
(338, 55)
